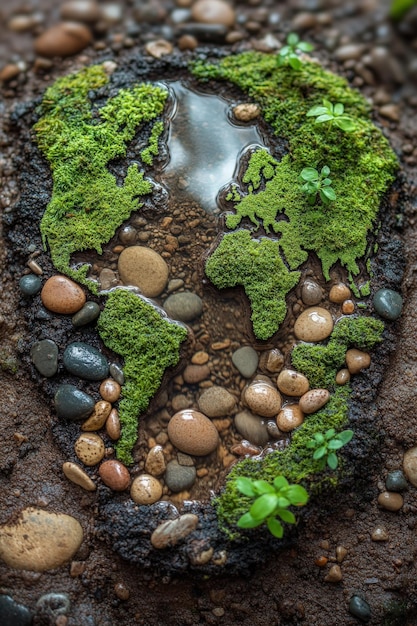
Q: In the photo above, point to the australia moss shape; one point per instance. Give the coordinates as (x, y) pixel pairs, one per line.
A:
(79, 141)
(270, 195)
(149, 344)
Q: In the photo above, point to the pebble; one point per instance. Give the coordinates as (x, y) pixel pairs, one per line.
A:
(200, 358)
(86, 11)
(107, 279)
(246, 111)
(193, 433)
(216, 402)
(314, 400)
(356, 360)
(180, 402)
(98, 417)
(213, 12)
(390, 111)
(246, 361)
(410, 465)
(341, 553)
(14, 614)
(179, 477)
(35, 267)
(52, 605)
(144, 268)
(184, 306)
(289, 417)
(9, 72)
(396, 481)
(63, 40)
(379, 534)
(122, 592)
(334, 575)
(314, 324)
(73, 404)
(113, 427)
(117, 373)
(311, 293)
(195, 373)
(78, 476)
(272, 361)
(292, 383)
(145, 489)
(348, 307)
(39, 540)
(388, 303)
(262, 398)
(128, 235)
(44, 355)
(390, 500)
(252, 428)
(110, 390)
(187, 42)
(89, 448)
(21, 23)
(359, 608)
(86, 315)
(155, 461)
(171, 532)
(30, 284)
(343, 376)
(339, 293)
(159, 48)
(349, 51)
(85, 361)
(115, 475)
(61, 295)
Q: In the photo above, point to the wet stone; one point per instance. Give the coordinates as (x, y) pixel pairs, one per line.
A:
(155, 461)
(292, 383)
(86, 315)
(289, 417)
(272, 361)
(128, 235)
(262, 398)
(314, 400)
(63, 40)
(78, 476)
(30, 284)
(356, 360)
(12, 613)
(61, 295)
(216, 402)
(98, 417)
(179, 477)
(359, 608)
(388, 304)
(89, 448)
(144, 268)
(245, 360)
(113, 428)
(410, 465)
(115, 475)
(85, 361)
(73, 404)
(246, 112)
(110, 390)
(184, 306)
(44, 355)
(379, 534)
(343, 376)
(390, 501)
(145, 489)
(51, 605)
(339, 293)
(252, 428)
(195, 373)
(396, 481)
(117, 373)
(171, 532)
(193, 433)
(314, 324)
(311, 293)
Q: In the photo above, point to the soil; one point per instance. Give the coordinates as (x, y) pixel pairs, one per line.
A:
(262, 584)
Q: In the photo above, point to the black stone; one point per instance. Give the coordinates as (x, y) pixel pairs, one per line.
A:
(44, 355)
(360, 608)
(87, 314)
(30, 284)
(396, 481)
(12, 613)
(72, 403)
(85, 361)
(388, 304)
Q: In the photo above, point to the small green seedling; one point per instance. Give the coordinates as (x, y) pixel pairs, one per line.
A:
(334, 113)
(326, 444)
(289, 54)
(271, 501)
(316, 182)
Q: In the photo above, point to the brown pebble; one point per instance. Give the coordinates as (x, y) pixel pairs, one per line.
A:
(169, 533)
(144, 268)
(341, 553)
(87, 11)
(271, 361)
(356, 360)
(113, 428)
(343, 376)
(155, 464)
(159, 48)
(145, 489)
(289, 417)
(61, 295)
(187, 42)
(334, 575)
(63, 40)
(77, 568)
(121, 591)
(379, 534)
(311, 293)
(115, 475)
(314, 324)
(35, 267)
(8, 72)
(98, 417)
(339, 293)
(110, 390)
(246, 111)
(89, 448)
(321, 561)
(262, 398)
(213, 12)
(348, 307)
(78, 476)
(200, 358)
(390, 500)
(195, 373)
(193, 433)
(292, 383)
(314, 400)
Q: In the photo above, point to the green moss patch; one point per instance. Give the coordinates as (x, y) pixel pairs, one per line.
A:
(149, 344)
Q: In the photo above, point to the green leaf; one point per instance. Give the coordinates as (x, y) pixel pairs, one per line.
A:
(325, 170)
(293, 39)
(320, 452)
(326, 182)
(329, 434)
(285, 50)
(295, 62)
(338, 109)
(245, 486)
(332, 461)
(324, 118)
(280, 482)
(264, 505)
(283, 502)
(316, 110)
(335, 444)
(319, 437)
(275, 527)
(297, 495)
(328, 105)
(329, 193)
(286, 516)
(262, 486)
(345, 124)
(247, 521)
(311, 444)
(304, 46)
(345, 436)
(309, 173)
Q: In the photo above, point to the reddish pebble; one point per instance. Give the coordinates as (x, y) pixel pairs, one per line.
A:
(321, 561)
(348, 307)
(61, 295)
(115, 475)
(339, 293)
(193, 433)
(113, 425)
(110, 390)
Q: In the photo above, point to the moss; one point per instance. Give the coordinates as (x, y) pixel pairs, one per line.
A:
(152, 149)
(149, 344)
(87, 203)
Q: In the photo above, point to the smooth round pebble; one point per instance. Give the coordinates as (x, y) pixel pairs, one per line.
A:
(169, 533)
(388, 304)
(13, 613)
(30, 284)
(44, 355)
(155, 461)
(85, 361)
(252, 428)
(290, 417)
(200, 358)
(410, 465)
(89, 448)
(339, 293)
(358, 607)
(311, 293)
(145, 489)
(128, 235)
(179, 477)
(216, 402)
(81, 11)
(78, 476)
(342, 376)
(144, 268)
(115, 475)
(184, 306)
(246, 361)
(72, 404)
(195, 373)
(262, 398)
(314, 324)
(110, 390)
(193, 433)
(356, 360)
(390, 500)
(38, 540)
(113, 427)
(117, 373)
(159, 48)
(246, 112)
(313, 400)
(89, 312)
(272, 361)
(63, 40)
(98, 417)
(61, 295)
(213, 12)
(379, 534)
(292, 383)
(396, 481)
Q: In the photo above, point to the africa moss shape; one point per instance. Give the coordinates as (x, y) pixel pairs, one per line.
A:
(149, 344)
(87, 204)
(362, 164)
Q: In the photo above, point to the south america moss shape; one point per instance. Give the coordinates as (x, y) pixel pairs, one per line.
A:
(149, 344)
(362, 166)
(79, 141)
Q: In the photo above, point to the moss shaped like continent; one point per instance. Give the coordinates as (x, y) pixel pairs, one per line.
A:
(149, 344)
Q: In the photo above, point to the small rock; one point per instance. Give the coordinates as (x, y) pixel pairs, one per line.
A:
(311, 293)
(200, 358)
(87, 11)
(187, 42)
(179, 477)
(155, 461)
(396, 481)
(78, 476)
(349, 51)
(359, 608)
(39, 540)
(44, 355)
(14, 614)
(85, 361)
(390, 111)
(348, 307)
(145, 489)
(193, 433)
(110, 390)
(30, 284)
(107, 279)
(180, 402)
(304, 21)
(341, 552)
(115, 475)
(113, 428)
(339, 293)
(334, 575)
(314, 324)
(185, 459)
(144, 268)
(9, 72)
(272, 361)
(390, 501)
(343, 376)
(89, 448)
(194, 374)
(86, 315)
(379, 534)
(61, 295)
(21, 23)
(388, 303)
(63, 40)
(98, 417)
(117, 373)
(121, 591)
(252, 428)
(292, 383)
(245, 360)
(216, 402)
(289, 417)
(213, 12)
(52, 605)
(262, 398)
(171, 532)
(314, 400)
(159, 48)
(72, 403)
(127, 235)
(356, 360)
(410, 465)
(184, 306)
(246, 111)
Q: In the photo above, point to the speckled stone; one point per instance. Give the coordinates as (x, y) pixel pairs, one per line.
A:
(410, 465)
(30, 284)
(44, 355)
(314, 400)
(155, 461)
(193, 433)
(61, 295)
(262, 398)
(144, 268)
(289, 418)
(246, 111)
(390, 501)
(179, 477)
(358, 607)
(171, 532)
(78, 476)
(388, 304)
(73, 404)
(246, 361)
(86, 315)
(396, 481)
(85, 361)
(184, 306)
(271, 361)
(216, 402)
(252, 428)
(145, 489)
(114, 474)
(89, 448)
(343, 376)
(98, 417)
(314, 324)
(292, 383)
(14, 614)
(311, 293)
(356, 360)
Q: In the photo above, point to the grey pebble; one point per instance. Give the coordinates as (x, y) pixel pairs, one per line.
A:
(87, 314)
(85, 361)
(184, 306)
(179, 477)
(73, 404)
(252, 428)
(175, 284)
(30, 284)
(360, 608)
(396, 481)
(44, 355)
(246, 361)
(388, 304)
(12, 613)
(53, 604)
(311, 293)
(117, 373)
